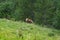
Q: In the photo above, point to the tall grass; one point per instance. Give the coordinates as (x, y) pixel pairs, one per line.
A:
(14, 30)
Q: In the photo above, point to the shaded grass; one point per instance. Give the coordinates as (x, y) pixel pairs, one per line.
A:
(8, 31)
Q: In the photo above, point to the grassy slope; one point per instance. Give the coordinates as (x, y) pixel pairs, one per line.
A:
(8, 31)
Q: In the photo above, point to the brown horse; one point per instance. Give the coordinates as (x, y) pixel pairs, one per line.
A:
(28, 20)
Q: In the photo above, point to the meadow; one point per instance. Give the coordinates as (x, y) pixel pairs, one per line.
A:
(17, 30)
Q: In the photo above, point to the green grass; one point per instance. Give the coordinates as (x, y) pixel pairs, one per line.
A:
(10, 30)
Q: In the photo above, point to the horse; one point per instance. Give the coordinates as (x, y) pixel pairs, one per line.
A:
(28, 20)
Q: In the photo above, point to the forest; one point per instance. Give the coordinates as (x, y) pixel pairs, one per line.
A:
(42, 12)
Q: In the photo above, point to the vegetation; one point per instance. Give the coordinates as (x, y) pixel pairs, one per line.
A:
(13, 30)
(45, 12)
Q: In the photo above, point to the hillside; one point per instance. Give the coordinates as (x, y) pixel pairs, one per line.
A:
(17, 30)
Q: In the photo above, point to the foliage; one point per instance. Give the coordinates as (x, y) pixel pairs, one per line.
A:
(45, 12)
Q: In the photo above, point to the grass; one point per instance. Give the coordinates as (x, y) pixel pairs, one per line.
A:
(13, 30)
